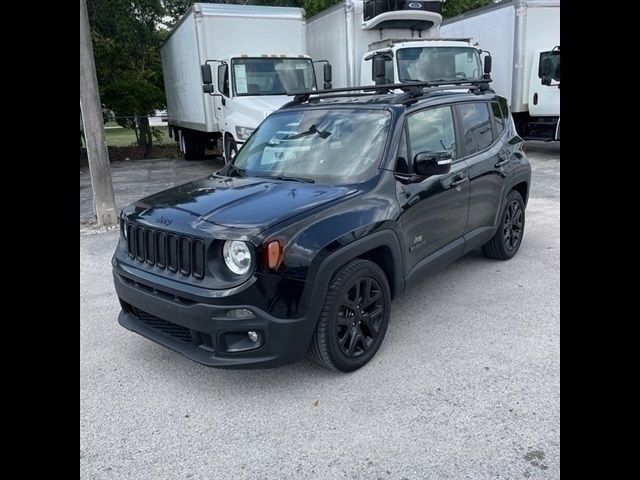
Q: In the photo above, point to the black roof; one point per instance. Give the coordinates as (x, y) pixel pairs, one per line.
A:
(381, 95)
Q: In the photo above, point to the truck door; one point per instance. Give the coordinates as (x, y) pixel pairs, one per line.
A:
(544, 100)
(434, 210)
(222, 103)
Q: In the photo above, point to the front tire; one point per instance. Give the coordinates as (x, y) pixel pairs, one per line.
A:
(508, 238)
(230, 149)
(353, 319)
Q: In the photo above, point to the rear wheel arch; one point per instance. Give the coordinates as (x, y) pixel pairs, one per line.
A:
(523, 189)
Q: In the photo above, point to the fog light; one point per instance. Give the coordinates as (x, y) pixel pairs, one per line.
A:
(241, 341)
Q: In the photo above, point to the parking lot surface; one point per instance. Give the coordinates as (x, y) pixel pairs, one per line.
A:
(465, 385)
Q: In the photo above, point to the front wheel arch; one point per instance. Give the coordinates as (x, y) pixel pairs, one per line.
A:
(324, 272)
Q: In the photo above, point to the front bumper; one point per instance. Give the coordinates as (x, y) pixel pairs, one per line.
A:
(198, 329)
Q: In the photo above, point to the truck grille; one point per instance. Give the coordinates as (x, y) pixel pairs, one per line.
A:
(166, 250)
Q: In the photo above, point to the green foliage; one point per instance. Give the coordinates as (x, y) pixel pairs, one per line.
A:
(126, 45)
(311, 7)
(451, 8)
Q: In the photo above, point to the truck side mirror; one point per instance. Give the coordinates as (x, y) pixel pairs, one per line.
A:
(379, 69)
(207, 77)
(207, 88)
(326, 73)
(487, 64)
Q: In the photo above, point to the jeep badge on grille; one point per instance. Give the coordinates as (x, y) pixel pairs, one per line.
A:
(164, 221)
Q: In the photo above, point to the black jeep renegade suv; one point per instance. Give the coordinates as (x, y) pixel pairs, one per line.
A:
(333, 206)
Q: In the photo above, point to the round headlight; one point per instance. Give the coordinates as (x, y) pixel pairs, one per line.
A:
(237, 256)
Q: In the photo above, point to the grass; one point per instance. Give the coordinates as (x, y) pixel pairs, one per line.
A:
(126, 137)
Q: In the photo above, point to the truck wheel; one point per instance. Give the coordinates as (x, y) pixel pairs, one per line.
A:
(506, 242)
(230, 149)
(353, 319)
(192, 146)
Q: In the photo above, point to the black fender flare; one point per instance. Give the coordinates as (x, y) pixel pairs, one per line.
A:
(335, 260)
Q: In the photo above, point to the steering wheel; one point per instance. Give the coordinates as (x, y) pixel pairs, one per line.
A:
(461, 74)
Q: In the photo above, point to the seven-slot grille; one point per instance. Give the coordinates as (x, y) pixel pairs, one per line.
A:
(166, 250)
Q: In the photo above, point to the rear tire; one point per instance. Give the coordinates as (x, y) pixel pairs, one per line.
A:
(353, 319)
(192, 145)
(508, 238)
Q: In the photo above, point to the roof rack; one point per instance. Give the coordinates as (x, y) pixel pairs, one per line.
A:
(412, 90)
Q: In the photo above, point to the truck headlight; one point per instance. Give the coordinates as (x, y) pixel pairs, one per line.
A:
(237, 256)
(244, 132)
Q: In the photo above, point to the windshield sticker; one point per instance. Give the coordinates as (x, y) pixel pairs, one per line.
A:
(241, 79)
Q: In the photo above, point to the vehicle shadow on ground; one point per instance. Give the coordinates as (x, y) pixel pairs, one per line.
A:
(301, 376)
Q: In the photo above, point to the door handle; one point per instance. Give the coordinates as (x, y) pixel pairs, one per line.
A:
(458, 180)
(504, 159)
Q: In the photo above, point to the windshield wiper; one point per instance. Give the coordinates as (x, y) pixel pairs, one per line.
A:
(292, 179)
(312, 129)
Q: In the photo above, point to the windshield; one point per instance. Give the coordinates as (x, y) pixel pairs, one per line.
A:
(272, 76)
(327, 146)
(430, 64)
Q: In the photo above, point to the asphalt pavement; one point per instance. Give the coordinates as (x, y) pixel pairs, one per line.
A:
(465, 385)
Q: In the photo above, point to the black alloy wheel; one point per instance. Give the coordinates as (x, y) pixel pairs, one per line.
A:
(360, 316)
(354, 317)
(507, 239)
(513, 225)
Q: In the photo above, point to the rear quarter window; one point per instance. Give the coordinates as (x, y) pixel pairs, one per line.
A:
(499, 117)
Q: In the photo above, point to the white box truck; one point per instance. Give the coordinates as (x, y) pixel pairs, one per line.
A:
(372, 42)
(523, 37)
(249, 57)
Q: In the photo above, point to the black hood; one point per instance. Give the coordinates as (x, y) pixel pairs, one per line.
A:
(250, 203)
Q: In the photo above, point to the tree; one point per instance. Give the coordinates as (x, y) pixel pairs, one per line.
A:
(451, 8)
(126, 44)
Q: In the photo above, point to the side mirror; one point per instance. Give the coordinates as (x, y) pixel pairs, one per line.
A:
(426, 164)
(326, 73)
(207, 88)
(487, 64)
(207, 77)
(379, 69)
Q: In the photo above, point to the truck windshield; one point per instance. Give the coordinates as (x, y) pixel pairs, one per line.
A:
(430, 64)
(326, 146)
(272, 76)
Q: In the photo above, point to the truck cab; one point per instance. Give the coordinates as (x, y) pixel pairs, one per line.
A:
(544, 93)
(432, 60)
(247, 57)
(247, 88)
(389, 41)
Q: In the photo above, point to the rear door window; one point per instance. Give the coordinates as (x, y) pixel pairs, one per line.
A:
(477, 133)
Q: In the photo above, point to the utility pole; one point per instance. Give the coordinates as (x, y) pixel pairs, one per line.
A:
(97, 153)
